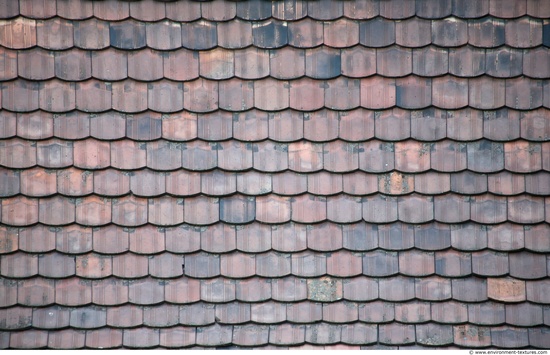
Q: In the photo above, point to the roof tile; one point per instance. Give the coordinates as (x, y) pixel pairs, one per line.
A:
(395, 333)
(54, 34)
(218, 290)
(504, 62)
(31, 339)
(472, 336)
(66, 339)
(214, 335)
(254, 238)
(453, 263)
(487, 313)
(91, 34)
(524, 314)
(434, 334)
(488, 209)
(182, 239)
(432, 183)
(19, 211)
(506, 289)
(182, 290)
(18, 34)
(416, 263)
(141, 338)
(8, 124)
(34, 182)
(251, 125)
(20, 96)
(450, 32)
(341, 33)
(471, 289)
(537, 291)
(161, 316)
(35, 292)
(174, 72)
(380, 263)
(218, 238)
(449, 312)
(104, 338)
(398, 288)
(147, 10)
(490, 263)
(514, 9)
(508, 337)
(413, 92)
(92, 266)
(218, 183)
(33, 64)
(146, 291)
(71, 125)
(505, 237)
(414, 32)
(468, 236)
(289, 10)
(124, 316)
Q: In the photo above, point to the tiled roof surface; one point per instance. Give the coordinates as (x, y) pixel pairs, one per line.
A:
(301, 174)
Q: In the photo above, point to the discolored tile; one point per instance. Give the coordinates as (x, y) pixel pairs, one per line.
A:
(489, 263)
(289, 10)
(413, 92)
(218, 290)
(504, 62)
(535, 63)
(174, 71)
(93, 266)
(397, 288)
(200, 95)
(270, 34)
(20, 96)
(472, 336)
(19, 33)
(104, 338)
(54, 34)
(129, 96)
(37, 292)
(472, 289)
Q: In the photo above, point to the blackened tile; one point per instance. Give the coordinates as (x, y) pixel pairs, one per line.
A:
(36, 292)
(236, 95)
(452, 263)
(127, 34)
(449, 32)
(398, 288)
(536, 63)
(20, 96)
(414, 32)
(486, 32)
(19, 33)
(490, 263)
(503, 62)
(466, 61)
(471, 289)
(270, 34)
(377, 32)
(524, 33)
(413, 92)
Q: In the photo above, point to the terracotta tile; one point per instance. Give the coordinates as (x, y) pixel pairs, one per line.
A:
(376, 156)
(323, 333)
(472, 336)
(341, 33)
(488, 313)
(323, 63)
(451, 208)
(398, 288)
(270, 34)
(237, 265)
(216, 64)
(57, 96)
(396, 334)
(413, 32)
(508, 337)
(202, 265)
(91, 34)
(308, 209)
(93, 211)
(129, 211)
(289, 10)
(9, 10)
(104, 338)
(73, 292)
(488, 209)
(524, 314)
(165, 96)
(234, 34)
(184, 239)
(18, 153)
(537, 9)
(54, 153)
(33, 64)
(413, 92)
(412, 156)
(251, 63)
(111, 183)
(19, 265)
(537, 184)
(251, 125)
(412, 312)
(125, 316)
(278, 59)
(432, 236)
(127, 34)
(9, 239)
(20, 211)
(286, 334)
(129, 265)
(380, 263)
(146, 291)
(489, 263)
(434, 334)
(325, 236)
(35, 182)
(218, 290)
(472, 289)
(93, 266)
(361, 289)
(30, 243)
(537, 291)
(358, 62)
(141, 338)
(269, 156)
(534, 125)
(214, 335)
(289, 237)
(110, 65)
(538, 337)
(91, 154)
(253, 290)
(233, 313)
(66, 339)
(514, 9)
(8, 125)
(19, 33)
(161, 316)
(164, 155)
(56, 211)
(523, 93)
(506, 237)
(344, 264)
(215, 126)
(201, 210)
(324, 183)
(546, 156)
(338, 204)
(466, 124)
(442, 29)
(503, 62)
(54, 34)
(30, 339)
(378, 93)
(182, 290)
(394, 61)
(110, 291)
(342, 94)
(71, 125)
(273, 264)
(218, 183)
(524, 33)
(128, 154)
(522, 156)
(380, 209)
(430, 61)
(535, 63)
(35, 292)
(254, 238)
(523, 209)
(250, 335)
(109, 125)
(20, 96)
(200, 95)
(432, 183)
(234, 155)
(184, 12)
(486, 32)
(306, 95)
(305, 157)
(468, 182)
(237, 209)
(36, 125)
(359, 183)
(129, 96)
(147, 183)
(75, 10)
(416, 263)
(485, 156)
(449, 312)
(393, 10)
(468, 236)
(236, 95)
(165, 211)
(377, 312)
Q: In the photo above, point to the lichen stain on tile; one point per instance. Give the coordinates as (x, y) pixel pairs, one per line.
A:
(324, 289)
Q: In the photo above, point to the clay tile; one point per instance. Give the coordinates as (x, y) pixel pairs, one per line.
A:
(111, 10)
(125, 316)
(323, 333)
(218, 183)
(449, 32)
(197, 314)
(129, 96)
(272, 209)
(110, 64)
(524, 33)
(110, 291)
(145, 65)
(377, 312)
(91, 154)
(325, 236)
(377, 32)
(289, 10)
(537, 291)
(200, 95)
(164, 155)
(93, 266)
(146, 291)
(342, 94)
(395, 333)
(450, 92)
(415, 209)
(237, 209)
(324, 183)
(11, 185)
(513, 9)
(270, 156)
(141, 338)
(309, 264)
(250, 335)
(323, 63)
(254, 289)
(18, 265)
(380, 263)
(56, 265)
(199, 155)
(215, 126)
(201, 210)
(308, 209)
(215, 335)
(489, 263)
(254, 183)
(394, 61)
(57, 96)
(416, 263)
(430, 61)
(414, 32)
(502, 63)
(502, 125)
(434, 334)
(361, 289)
(73, 65)
(452, 263)
(20, 96)
(218, 290)
(128, 154)
(341, 33)
(449, 312)
(472, 336)
(360, 236)
(217, 64)
(93, 211)
(286, 126)
(397, 288)
(341, 312)
(19, 211)
(307, 94)
(509, 337)
(18, 153)
(272, 264)
(537, 184)
(54, 34)
(344, 264)
(104, 338)
(234, 155)
(270, 34)
(35, 125)
(238, 265)
(148, 10)
(358, 62)
(163, 35)
(9, 62)
(534, 125)
(413, 92)
(506, 289)
(93, 96)
(294, 289)
(279, 59)
(184, 12)
(451, 208)
(535, 63)
(524, 209)
(250, 125)
(66, 339)
(127, 34)
(91, 34)
(433, 9)
(35, 291)
(488, 209)
(35, 64)
(18, 33)
(466, 61)
(448, 156)
(219, 11)
(522, 156)
(236, 95)
(344, 209)
(182, 290)
(29, 339)
(380, 209)
(199, 35)
(523, 93)
(182, 239)
(472, 289)
(56, 211)
(8, 124)
(9, 9)
(488, 313)
(485, 156)
(506, 237)
(130, 211)
(146, 126)
(526, 265)
(468, 236)
(233, 313)
(470, 8)
(487, 32)
(378, 93)
(54, 153)
(305, 157)
(412, 156)
(74, 239)
(288, 237)
(165, 211)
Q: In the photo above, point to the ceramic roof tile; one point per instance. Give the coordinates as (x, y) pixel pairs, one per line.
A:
(413, 92)
(397, 288)
(91, 34)
(36, 292)
(219, 238)
(466, 61)
(523, 33)
(72, 125)
(182, 239)
(472, 336)
(18, 33)
(449, 312)
(9, 9)
(218, 290)
(470, 8)
(8, 125)
(33, 64)
(254, 238)
(503, 62)
(104, 338)
(434, 334)
(450, 32)
(74, 10)
(20, 96)
(67, 339)
(31, 339)
(182, 290)
(432, 183)
(324, 237)
(237, 209)
(141, 338)
(289, 9)
(472, 289)
(251, 125)
(509, 337)
(486, 32)
(391, 125)
(54, 34)
(270, 34)
(507, 289)
(523, 93)
(127, 34)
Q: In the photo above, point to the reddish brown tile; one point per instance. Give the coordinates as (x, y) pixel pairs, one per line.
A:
(251, 63)
(503, 62)
(286, 334)
(19, 265)
(537, 184)
(165, 211)
(104, 338)
(233, 313)
(472, 336)
(506, 237)
(237, 265)
(214, 335)
(412, 156)
(513, 9)
(323, 333)
(200, 95)
(35, 182)
(526, 210)
(432, 183)
(451, 208)
(380, 209)
(488, 209)
(217, 64)
(54, 153)
(488, 313)
(36, 125)
(413, 92)
(54, 34)
(161, 316)
(57, 96)
(413, 32)
(91, 34)
(109, 125)
(93, 211)
(19, 33)
(164, 155)
(8, 10)
(110, 291)
(146, 291)
(93, 266)
(109, 65)
(215, 126)
(19, 211)
(523, 93)
(111, 183)
(508, 337)
(129, 211)
(91, 154)
(449, 312)
(8, 124)
(360, 289)
(253, 290)
(250, 335)
(182, 239)
(250, 126)
(468, 182)
(465, 124)
(289, 10)
(125, 316)
(412, 312)
(522, 156)
(468, 236)
(141, 338)
(306, 94)
(31, 339)
(377, 312)
(416, 263)
(278, 67)
(234, 155)
(254, 238)
(489, 263)
(237, 95)
(396, 334)
(271, 157)
(472, 289)
(434, 334)
(537, 291)
(20, 96)
(66, 339)
(338, 204)
(56, 211)
(218, 290)
(397, 11)
(35, 292)
(535, 63)
(534, 125)
(201, 210)
(182, 290)
(34, 64)
(398, 288)
(378, 93)
(380, 263)
(523, 33)
(524, 314)
(289, 237)
(273, 264)
(129, 96)
(73, 292)
(324, 237)
(74, 10)
(344, 264)
(71, 125)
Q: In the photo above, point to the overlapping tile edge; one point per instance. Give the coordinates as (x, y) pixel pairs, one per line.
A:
(389, 189)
